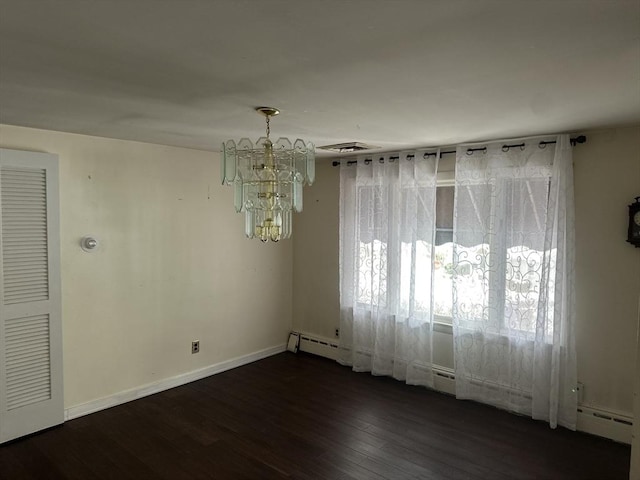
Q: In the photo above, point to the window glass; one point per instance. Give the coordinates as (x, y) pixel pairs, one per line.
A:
(372, 277)
(443, 261)
(498, 277)
(510, 285)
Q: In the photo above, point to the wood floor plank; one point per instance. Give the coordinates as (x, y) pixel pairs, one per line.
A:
(304, 417)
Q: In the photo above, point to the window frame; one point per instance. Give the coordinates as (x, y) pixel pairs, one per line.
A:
(445, 179)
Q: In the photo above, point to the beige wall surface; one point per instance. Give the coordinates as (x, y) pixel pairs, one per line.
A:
(635, 442)
(316, 306)
(167, 272)
(172, 265)
(607, 178)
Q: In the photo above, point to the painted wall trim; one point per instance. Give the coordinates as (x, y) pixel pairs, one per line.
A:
(171, 382)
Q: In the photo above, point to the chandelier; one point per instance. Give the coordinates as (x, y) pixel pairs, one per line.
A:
(268, 179)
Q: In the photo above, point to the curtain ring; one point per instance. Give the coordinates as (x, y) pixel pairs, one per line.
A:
(522, 147)
(471, 150)
(542, 145)
(505, 148)
(381, 159)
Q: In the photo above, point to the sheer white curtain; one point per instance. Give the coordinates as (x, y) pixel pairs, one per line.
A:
(387, 230)
(513, 309)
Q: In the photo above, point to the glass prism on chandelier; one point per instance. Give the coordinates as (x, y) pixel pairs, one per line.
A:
(268, 179)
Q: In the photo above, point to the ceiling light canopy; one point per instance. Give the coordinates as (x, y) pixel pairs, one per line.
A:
(268, 179)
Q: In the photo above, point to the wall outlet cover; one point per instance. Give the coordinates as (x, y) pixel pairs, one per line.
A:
(293, 343)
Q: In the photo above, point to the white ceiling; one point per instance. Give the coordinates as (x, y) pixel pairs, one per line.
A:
(391, 73)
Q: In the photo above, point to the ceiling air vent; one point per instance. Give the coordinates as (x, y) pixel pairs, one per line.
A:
(348, 147)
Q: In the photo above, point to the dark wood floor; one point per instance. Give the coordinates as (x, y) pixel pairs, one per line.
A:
(300, 416)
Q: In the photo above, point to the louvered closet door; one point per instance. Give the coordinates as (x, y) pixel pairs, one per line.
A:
(30, 327)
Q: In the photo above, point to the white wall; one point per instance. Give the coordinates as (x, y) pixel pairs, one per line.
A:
(173, 264)
(607, 178)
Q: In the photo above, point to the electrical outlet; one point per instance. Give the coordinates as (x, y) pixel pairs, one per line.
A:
(195, 347)
(337, 332)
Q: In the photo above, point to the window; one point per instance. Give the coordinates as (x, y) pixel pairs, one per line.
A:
(498, 276)
(414, 269)
(371, 267)
(511, 291)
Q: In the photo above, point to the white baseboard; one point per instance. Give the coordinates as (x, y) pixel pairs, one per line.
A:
(161, 385)
(593, 420)
(613, 425)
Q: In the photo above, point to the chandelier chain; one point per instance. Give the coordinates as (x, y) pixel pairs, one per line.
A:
(268, 127)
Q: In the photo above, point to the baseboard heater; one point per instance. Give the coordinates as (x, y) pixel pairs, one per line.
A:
(596, 421)
(322, 347)
(613, 425)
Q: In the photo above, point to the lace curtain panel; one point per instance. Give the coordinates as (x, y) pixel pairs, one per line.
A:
(513, 300)
(387, 231)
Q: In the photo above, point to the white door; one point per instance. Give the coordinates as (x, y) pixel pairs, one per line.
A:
(30, 322)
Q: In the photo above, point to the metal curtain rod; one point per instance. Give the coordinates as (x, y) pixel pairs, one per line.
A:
(470, 151)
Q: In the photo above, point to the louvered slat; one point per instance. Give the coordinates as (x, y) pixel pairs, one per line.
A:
(27, 360)
(35, 342)
(26, 283)
(22, 251)
(30, 274)
(23, 262)
(29, 371)
(21, 290)
(24, 267)
(22, 224)
(12, 299)
(24, 242)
